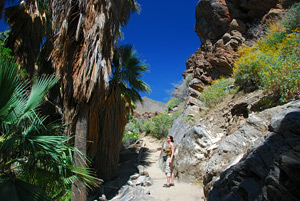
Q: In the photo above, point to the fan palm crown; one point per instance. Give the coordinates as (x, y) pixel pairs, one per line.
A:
(36, 163)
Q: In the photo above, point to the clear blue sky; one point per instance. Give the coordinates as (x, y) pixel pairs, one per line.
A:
(163, 35)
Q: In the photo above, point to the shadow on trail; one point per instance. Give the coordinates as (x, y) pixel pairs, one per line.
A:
(129, 160)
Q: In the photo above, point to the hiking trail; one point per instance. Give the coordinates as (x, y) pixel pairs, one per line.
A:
(179, 192)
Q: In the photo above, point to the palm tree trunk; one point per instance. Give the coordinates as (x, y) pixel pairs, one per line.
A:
(80, 144)
(112, 121)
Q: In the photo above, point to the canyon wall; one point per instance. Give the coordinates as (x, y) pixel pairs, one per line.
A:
(213, 148)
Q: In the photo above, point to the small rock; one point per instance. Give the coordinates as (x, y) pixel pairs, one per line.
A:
(142, 170)
(134, 177)
(148, 181)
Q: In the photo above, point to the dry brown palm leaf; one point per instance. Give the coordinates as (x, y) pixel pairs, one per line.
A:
(93, 40)
(27, 30)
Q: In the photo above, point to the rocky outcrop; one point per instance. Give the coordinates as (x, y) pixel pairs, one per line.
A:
(207, 146)
(135, 188)
(270, 169)
(210, 145)
(214, 18)
(233, 146)
(222, 27)
(213, 147)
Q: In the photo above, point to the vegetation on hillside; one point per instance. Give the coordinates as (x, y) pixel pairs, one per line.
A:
(158, 126)
(172, 103)
(273, 62)
(217, 91)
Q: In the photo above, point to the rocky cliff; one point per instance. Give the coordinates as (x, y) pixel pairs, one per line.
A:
(227, 148)
(269, 170)
(222, 26)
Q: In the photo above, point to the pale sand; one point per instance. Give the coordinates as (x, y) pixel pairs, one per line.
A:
(179, 192)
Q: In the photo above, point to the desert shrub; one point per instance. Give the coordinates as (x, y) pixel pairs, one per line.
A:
(161, 124)
(131, 130)
(291, 21)
(147, 126)
(272, 64)
(140, 123)
(216, 93)
(188, 79)
(176, 113)
(173, 103)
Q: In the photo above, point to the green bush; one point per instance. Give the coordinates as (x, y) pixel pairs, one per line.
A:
(173, 103)
(188, 79)
(5, 53)
(291, 21)
(140, 123)
(161, 124)
(131, 130)
(147, 126)
(214, 94)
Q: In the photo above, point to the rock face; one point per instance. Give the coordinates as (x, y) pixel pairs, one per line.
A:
(240, 149)
(207, 146)
(270, 169)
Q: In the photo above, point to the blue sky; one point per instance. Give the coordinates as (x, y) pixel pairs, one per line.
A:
(163, 35)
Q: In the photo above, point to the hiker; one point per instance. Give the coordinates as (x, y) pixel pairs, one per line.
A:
(169, 162)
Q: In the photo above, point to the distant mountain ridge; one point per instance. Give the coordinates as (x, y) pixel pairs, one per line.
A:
(150, 105)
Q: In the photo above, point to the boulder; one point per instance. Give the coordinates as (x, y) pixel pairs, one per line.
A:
(270, 168)
(133, 194)
(197, 84)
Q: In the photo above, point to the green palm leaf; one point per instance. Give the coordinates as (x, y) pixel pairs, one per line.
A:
(7, 81)
(127, 71)
(11, 91)
(13, 189)
(38, 91)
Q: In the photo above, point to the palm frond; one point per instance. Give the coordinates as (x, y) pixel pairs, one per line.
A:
(10, 86)
(127, 72)
(38, 91)
(85, 175)
(14, 189)
(7, 147)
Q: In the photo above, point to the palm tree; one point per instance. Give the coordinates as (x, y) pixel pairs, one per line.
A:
(82, 54)
(36, 163)
(30, 22)
(124, 88)
(83, 37)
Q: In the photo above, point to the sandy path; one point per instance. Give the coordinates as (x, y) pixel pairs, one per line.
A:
(179, 192)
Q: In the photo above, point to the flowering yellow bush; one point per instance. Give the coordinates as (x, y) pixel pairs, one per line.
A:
(272, 63)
